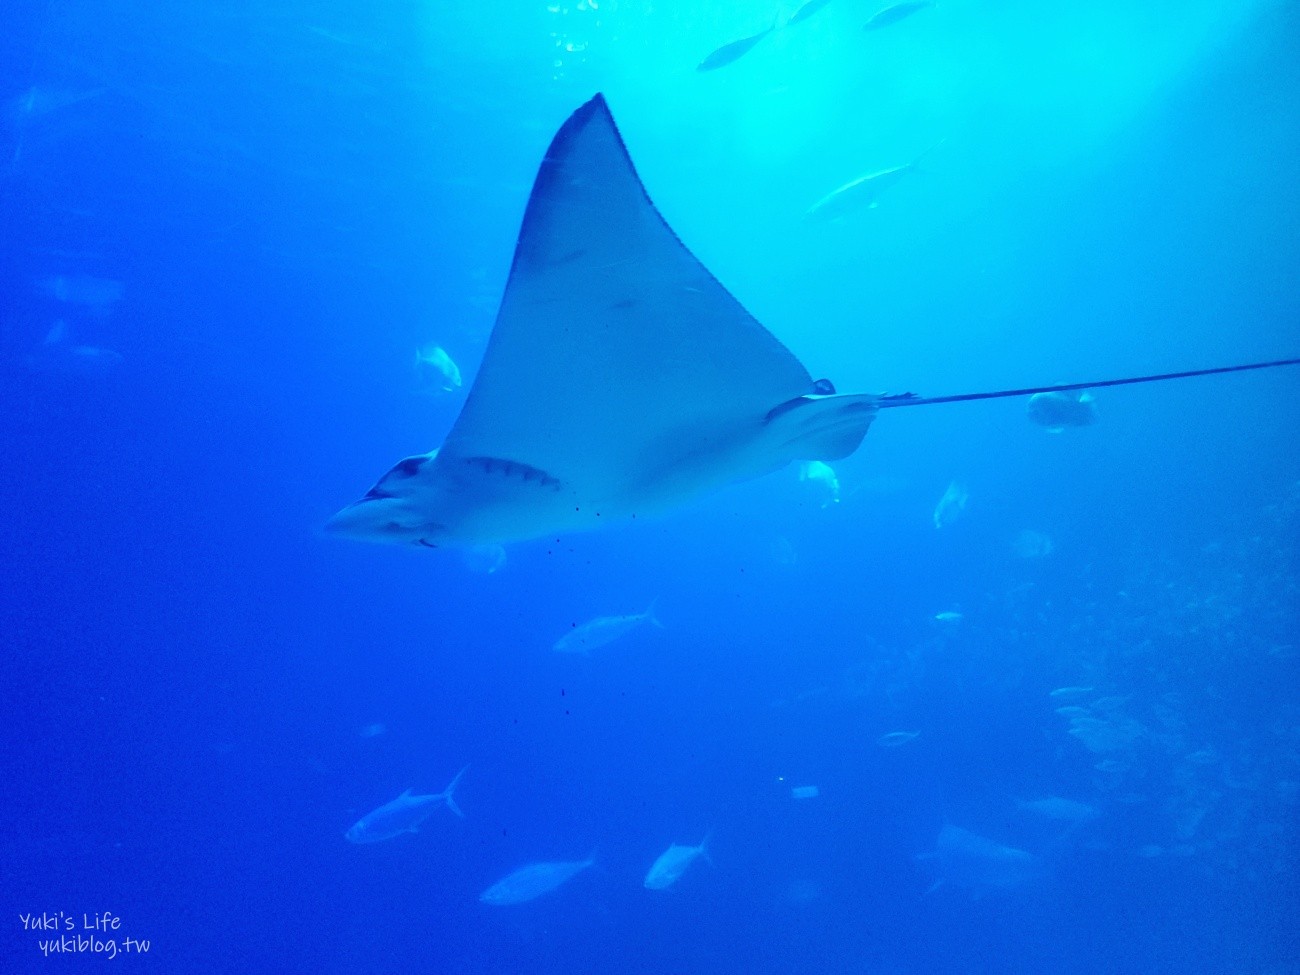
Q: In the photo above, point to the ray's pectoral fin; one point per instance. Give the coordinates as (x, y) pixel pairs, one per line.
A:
(819, 426)
(671, 387)
(391, 510)
(433, 498)
(391, 484)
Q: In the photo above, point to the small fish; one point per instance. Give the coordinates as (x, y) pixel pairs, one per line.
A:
(1059, 410)
(1105, 736)
(672, 863)
(60, 355)
(961, 858)
(1112, 702)
(81, 289)
(1073, 711)
(804, 792)
(732, 52)
(806, 11)
(1030, 544)
(436, 370)
(38, 102)
(403, 815)
(899, 11)
(823, 475)
(484, 559)
(951, 505)
(896, 738)
(864, 192)
(1130, 798)
(1061, 810)
(532, 881)
(603, 630)
(1074, 690)
(949, 618)
(373, 730)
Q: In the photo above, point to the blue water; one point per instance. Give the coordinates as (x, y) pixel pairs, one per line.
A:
(252, 215)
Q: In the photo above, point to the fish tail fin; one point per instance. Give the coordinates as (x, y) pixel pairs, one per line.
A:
(57, 333)
(449, 793)
(1065, 837)
(704, 848)
(650, 613)
(915, 165)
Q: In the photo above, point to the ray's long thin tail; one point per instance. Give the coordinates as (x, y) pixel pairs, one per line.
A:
(911, 399)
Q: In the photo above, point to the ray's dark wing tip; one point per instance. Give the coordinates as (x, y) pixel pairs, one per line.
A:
(594, 109)
(587, 152)
(596, 104)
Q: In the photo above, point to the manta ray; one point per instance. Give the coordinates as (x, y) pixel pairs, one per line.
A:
(674, 389)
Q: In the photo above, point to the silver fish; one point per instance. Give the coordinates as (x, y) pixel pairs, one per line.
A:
(1073, 711)
(806, 11)
(961, 858)
(485, 559)
(82, 289)
(823, 476)
(1100, 736)
(951, 506)
(60, 355)
(899, 11)
(1058, 410)
(729, 53)
(435, 370)
(1030, 544)
(1073, 690)
(603, 630)
(533, 881)
(1059, 809)
(896, 738)
(403, 815)
(672, 863)
(864, 193)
